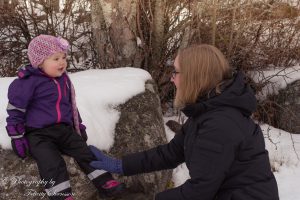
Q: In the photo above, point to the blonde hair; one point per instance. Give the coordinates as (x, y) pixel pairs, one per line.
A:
(202, 68)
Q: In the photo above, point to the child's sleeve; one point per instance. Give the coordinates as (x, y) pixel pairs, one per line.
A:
(79, 117)
(82, 127)
(19, 95)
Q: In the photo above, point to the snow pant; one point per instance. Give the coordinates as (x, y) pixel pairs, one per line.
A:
(47, 145)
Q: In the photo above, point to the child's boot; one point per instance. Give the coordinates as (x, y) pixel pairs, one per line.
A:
(107, 185)
(112, 188)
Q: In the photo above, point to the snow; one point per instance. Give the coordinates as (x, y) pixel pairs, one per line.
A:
(139, 42)
(4, 139)
(99, 92)
(288, 183)
(284, 152)
(284, 148)
(278, 78)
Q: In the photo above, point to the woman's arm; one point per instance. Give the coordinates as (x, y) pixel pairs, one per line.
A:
(166, 156)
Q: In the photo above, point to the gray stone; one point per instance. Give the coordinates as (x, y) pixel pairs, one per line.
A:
(140, 127)
(288, 100)
(19, 179)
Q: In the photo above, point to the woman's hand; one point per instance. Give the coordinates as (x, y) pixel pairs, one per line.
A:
(105, 162)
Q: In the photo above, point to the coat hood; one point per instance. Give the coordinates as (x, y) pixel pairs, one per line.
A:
(27, 70)
(236, 94)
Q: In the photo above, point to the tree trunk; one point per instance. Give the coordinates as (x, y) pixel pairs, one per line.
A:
(114, 29)
(158, 28)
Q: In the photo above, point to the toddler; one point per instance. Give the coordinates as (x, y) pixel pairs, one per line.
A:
(43, 120)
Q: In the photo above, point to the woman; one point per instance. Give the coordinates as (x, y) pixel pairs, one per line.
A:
(222, 147)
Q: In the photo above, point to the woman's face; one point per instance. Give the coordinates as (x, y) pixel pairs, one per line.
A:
(176, 73)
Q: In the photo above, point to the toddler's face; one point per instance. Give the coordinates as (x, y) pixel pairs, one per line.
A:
(55, 65)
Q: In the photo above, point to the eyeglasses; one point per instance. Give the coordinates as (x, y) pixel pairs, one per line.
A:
(174, 73)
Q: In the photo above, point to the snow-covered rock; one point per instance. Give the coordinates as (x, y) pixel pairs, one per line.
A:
(122, 112)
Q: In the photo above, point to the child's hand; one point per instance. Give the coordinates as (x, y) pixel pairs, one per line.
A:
(19, 143)
(20, 147)
(105, 162)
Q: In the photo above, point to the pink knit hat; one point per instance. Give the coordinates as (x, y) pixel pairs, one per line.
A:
(44, 46)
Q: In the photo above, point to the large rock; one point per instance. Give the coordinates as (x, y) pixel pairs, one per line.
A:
(140, 127)
(288, 100)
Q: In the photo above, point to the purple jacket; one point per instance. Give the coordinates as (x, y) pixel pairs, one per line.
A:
(37, 100)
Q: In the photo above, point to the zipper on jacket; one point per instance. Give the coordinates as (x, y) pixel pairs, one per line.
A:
(58, 101)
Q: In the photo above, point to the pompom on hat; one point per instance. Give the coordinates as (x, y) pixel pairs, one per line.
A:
(44, 46)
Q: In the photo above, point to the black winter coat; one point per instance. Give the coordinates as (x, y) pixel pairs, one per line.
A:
(223, 148)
